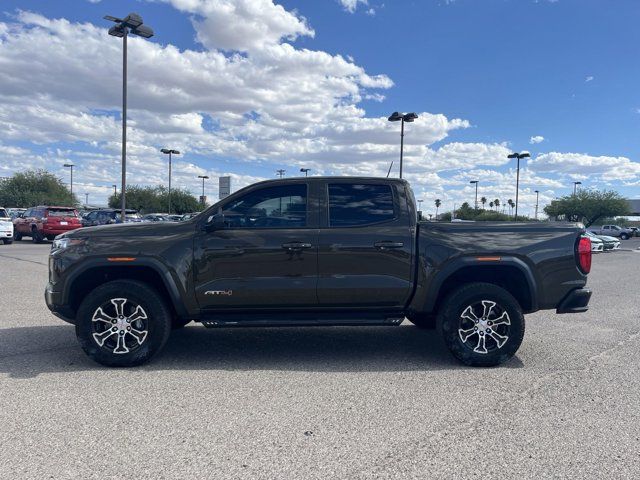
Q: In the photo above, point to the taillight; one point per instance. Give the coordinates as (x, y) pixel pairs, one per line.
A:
(584, 254)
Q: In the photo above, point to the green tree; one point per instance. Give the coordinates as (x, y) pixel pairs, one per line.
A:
(496, 202)
(588, 206)
(483, 200)
(35, 187)
(437, 203)
(156, 199)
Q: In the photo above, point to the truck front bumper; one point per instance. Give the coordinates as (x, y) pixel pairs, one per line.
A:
(576, 301)
(55, 304)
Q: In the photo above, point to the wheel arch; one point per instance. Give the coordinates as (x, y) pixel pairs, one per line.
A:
(96, 274)
(512, 274)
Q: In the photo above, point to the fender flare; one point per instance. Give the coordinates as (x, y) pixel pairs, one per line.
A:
(458, 264)
(156, 265)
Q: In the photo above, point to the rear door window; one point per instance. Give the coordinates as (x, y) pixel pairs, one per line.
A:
(358, 204)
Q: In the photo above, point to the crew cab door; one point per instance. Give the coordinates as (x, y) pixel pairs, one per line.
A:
(265, 255)
(365, 245)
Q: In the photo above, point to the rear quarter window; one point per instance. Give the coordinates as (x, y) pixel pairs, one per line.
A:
(352, 204)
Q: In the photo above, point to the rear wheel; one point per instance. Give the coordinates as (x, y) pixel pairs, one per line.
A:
(7, 241)
(36, 236)
(481, 324)
(123, 323)
(624, 236)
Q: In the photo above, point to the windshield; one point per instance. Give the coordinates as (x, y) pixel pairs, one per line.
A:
(62, 212)
(3, 213)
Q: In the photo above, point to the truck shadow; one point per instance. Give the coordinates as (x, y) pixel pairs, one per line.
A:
(29, 351)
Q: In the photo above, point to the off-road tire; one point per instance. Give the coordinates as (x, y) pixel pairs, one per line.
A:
(36, 236)
(452, 325)
(158, 322)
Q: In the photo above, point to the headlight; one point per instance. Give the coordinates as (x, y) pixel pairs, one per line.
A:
(65, 242)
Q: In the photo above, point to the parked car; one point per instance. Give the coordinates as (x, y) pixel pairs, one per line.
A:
(154, 217)
(597, 245)
(174, 218)
(6, 227)
(610, 243)
(189, 216)
(636, 231)
(46, 222)
(109, 216)
(612, 231)
(315, 251)
(16, 212)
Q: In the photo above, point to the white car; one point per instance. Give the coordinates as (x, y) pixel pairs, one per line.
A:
(597, 245)
(610, 243)
(6, 227)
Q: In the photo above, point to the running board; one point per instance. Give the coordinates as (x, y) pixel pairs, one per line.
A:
(223, 321)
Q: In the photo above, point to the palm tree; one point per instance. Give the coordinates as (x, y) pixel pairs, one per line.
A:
(511, 205)
(496, 202)
(438, 203)
(483, 200)
(491, 205)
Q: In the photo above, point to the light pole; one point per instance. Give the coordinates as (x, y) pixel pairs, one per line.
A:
(70, 165)
(476, 182)
(132, 23)
(537, 197)
(203, 177)
(169, 152)
(519, 156)
(86, 199)
(402, 117)
(306, 171)
(280, 172)
(115, 190)
(575, 187)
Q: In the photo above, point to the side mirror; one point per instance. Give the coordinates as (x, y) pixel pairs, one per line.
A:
(215, 222)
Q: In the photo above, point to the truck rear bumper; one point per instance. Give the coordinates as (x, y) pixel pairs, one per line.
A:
(576, 301)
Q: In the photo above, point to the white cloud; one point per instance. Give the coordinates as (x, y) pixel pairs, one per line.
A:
(244, 25)
(589, 78)
(581, 166)
(351, 5)
(536, 139)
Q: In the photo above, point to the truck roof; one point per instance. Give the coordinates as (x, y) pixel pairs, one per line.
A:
(332, 178)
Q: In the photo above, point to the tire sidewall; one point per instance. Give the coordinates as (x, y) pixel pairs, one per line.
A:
(449, 322)
(159, 322)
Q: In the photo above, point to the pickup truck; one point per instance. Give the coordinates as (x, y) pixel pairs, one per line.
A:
(315, 251)
(613, 231)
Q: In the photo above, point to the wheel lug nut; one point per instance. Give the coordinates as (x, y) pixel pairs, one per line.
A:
(475, 329)
(128, 329)
(113, 321)
(114, 329)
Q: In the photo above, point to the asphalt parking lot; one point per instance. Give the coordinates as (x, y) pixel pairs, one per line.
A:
(347, 403)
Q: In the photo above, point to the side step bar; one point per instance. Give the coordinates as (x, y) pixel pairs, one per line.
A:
(223, 321)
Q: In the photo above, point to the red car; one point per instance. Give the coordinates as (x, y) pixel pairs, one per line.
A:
(45, 222)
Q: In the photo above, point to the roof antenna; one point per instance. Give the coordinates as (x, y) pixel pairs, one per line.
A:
(390, 167)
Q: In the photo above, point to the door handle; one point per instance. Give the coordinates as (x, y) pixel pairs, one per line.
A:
(385, 245)
(295, 246)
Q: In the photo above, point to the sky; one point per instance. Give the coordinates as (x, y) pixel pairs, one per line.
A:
(246, 87)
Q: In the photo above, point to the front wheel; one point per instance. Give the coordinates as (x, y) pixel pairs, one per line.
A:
(36, 236)
(481, 324)
(7, 241)
(624, 236)
(123, 323)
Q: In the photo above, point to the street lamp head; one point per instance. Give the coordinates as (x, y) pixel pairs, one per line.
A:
(117, 31)
(167, 150)
(578, 183)
(133, 20)
(395, 117)
(204, 177)
(143, 31)
(69, 165)
(513, 155)
(410, 117)
(474, 181)
(525, 155)
(536, 191)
